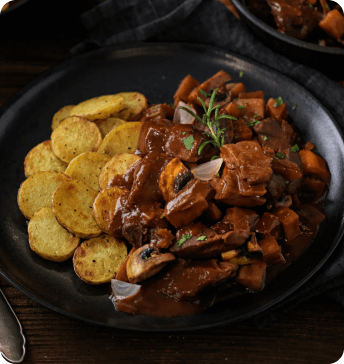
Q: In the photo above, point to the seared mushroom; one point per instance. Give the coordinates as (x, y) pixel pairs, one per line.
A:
(145, 262)
(173, 178)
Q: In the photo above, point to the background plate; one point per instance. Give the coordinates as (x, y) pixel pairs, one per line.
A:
(155, 70)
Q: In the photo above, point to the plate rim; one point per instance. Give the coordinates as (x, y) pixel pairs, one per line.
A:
(175, 47)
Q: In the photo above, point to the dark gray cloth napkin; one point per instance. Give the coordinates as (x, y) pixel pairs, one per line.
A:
(116, 22)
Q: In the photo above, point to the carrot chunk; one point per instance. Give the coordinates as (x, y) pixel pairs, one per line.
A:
(236, 89)
(255, 106)
(313, 165)
(252, 276)
(333, 24)
(241, 131)
(185, 88)
(271, 250)
(290, 222)
(252, 95)
(279, 112)
(233, 110)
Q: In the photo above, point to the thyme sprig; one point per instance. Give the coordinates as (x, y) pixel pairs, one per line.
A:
(211, 119)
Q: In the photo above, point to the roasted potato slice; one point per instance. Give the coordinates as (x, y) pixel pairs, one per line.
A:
(116, 166)
(134, 104)
(100, 107)
(122, 139)
(75, 135)
(49, 239)
(104, 207)
(97, 260)
(72, 206)
(37, 190)
(63, 113)
(106, 125)
(86, 167)
(41, 158)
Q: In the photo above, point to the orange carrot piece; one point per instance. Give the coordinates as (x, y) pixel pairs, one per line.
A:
(241, 131)
(185, 88)
(255, 106)
(252, 95)
(252, 276)
(333, 24)
(237, 89)
(309, 146)
(216, 81)
(271, 250)
(278, 112)
(233, 110)
(290, 222)
(313, 165)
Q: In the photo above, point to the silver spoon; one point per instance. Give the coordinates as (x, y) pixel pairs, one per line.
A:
(12, 339)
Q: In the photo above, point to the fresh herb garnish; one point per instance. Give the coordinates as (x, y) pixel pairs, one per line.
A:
(279, 101)
(253, 122)
(202, 92)
(240, 107)
(202, 238)
(265, 137)
(327, 7)
(295, 148)
(183, 239)
(214, 157)
(294, 107)
(241, 74)
(280, 155)
(188, 142)
(184, 132)
(213, 123)
(286, 182)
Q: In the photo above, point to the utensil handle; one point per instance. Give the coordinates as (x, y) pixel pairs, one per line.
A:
(12, 340)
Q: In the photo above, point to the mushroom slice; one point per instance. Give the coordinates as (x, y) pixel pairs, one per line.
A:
(145, 262)
(173, 178)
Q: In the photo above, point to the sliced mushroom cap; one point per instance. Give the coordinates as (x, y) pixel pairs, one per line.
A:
(145, 262)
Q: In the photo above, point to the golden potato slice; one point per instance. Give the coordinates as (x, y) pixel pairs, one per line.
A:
(106, 125)
(86, 167)
(49, 239)
(122, 139)
(134, 104)
(37, 191)
(100, 107)
(63, 113)
(116, 166)
(75, 135)
(104, 207)
(97, 260)
(41, 158)
(72, 206)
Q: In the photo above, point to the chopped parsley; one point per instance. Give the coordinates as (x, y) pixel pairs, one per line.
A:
(279, 101)
(265, 137)
(241, 74)
(183, 239)
(310, 5)
(188, 142)
(294, 107)
(295, 148)
(327, 7)
(202, 92)
(184, 132)
(280, 155)
(202, 238)
(252, 123)
(240, 107)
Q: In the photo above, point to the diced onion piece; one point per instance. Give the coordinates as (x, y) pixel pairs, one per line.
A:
(207, 171)
(181, 116)
(121, 290)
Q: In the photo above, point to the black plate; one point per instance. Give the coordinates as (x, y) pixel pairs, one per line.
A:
(156, 71)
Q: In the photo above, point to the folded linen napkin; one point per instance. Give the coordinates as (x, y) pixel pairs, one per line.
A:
(115, 22)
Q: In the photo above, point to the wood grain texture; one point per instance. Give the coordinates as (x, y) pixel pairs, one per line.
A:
(311, 333)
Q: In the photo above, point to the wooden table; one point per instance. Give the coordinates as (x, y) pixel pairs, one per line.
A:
(311, 333)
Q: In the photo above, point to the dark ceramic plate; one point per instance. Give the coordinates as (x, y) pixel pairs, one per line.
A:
(329, 60)
(155, 70)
